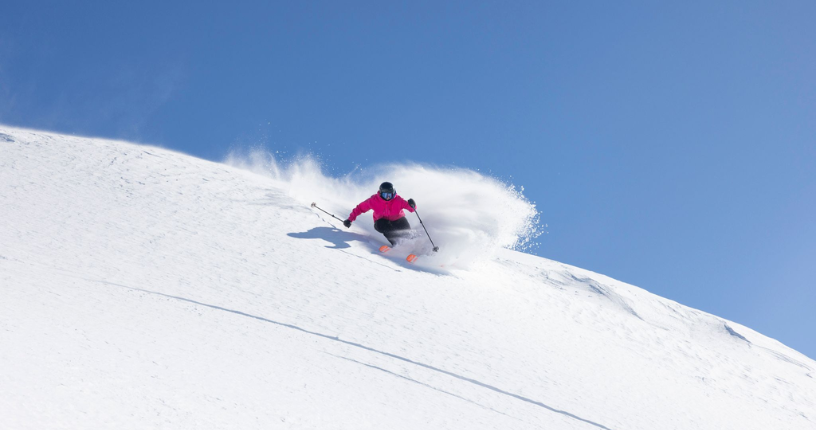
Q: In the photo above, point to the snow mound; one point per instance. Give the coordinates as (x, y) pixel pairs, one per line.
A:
(142, 288)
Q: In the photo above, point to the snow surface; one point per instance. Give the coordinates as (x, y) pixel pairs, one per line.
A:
(142, 288)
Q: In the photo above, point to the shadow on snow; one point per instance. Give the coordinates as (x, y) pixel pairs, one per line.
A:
(340, 239)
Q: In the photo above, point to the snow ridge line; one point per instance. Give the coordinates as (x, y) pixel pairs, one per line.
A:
(422, 383)
(361, 346)
(733, 332)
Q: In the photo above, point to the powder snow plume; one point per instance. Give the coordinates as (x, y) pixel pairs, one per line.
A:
(468, 215)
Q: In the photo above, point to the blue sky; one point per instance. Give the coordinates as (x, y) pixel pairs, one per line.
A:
(672, 146)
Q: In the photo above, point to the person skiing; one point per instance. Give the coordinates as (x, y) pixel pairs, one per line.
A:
(389, 218)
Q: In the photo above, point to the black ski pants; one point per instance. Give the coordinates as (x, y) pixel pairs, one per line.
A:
(392, 230)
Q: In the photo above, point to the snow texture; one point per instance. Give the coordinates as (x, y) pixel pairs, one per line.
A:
(142, 288)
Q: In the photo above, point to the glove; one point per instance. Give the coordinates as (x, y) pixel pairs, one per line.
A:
(412, 203)
(347, 223)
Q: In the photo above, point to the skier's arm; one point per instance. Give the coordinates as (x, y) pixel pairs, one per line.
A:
(363, 207)
(406, 204)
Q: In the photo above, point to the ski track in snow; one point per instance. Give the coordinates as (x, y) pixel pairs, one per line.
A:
(357, 345)
(147, 289)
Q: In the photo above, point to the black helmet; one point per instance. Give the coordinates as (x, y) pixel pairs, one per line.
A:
(387, 191)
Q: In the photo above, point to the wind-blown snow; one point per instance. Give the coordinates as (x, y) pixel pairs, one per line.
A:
(467, 213)
(142, 288)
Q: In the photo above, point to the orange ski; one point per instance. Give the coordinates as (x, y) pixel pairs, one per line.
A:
(385, 248)
(411, 258)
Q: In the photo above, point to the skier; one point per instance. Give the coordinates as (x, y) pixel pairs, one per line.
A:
(389, 219)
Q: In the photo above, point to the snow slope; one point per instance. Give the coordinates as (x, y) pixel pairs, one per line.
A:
(141, 288)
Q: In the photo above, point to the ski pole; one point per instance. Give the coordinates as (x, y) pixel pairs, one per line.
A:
(435, 248)
(314, 205)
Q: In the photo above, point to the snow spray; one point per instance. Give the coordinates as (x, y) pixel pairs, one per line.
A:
(470, 215)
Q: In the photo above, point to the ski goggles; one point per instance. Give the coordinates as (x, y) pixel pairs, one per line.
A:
(387, 196)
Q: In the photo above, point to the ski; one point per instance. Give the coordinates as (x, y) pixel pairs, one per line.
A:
(411, 258)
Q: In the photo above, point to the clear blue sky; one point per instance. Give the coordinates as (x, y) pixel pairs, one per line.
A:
(672, 146)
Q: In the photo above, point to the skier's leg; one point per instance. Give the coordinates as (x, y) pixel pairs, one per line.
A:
(396, 230)
(384, 226)
(401, 228)
(380, 225)
(393, 230)
(401, 224)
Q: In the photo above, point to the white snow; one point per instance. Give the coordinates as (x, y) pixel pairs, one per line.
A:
(142, 288)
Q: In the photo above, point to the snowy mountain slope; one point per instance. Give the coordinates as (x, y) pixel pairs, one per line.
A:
(141, 288)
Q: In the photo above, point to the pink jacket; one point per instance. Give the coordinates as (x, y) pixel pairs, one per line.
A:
(388, 209)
